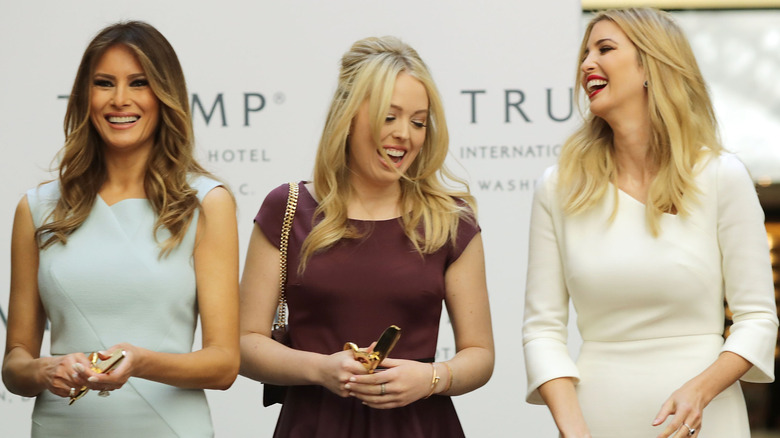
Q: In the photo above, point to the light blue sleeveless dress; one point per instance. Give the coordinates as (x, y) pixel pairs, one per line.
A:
(108, 285)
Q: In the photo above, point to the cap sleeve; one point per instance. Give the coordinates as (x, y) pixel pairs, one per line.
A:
(467, 229)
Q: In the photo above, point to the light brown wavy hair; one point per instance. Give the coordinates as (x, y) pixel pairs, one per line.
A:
(682, 120)
(431, 210)
(82, 170)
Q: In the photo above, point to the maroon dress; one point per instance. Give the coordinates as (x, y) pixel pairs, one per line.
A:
(352, 292)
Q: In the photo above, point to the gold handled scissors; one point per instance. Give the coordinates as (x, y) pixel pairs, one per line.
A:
(99, 366)
(382, 348)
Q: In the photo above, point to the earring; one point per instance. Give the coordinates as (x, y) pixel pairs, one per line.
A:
(645, 84)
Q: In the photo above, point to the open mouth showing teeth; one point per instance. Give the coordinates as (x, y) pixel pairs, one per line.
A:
(395, 154)
(596, 84)
(121, 120)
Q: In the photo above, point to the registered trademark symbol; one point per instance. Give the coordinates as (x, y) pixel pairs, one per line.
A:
(279, 97)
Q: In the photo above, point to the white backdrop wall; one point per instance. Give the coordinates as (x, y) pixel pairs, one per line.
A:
(262, 74)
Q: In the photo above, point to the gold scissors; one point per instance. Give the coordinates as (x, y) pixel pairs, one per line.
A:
(99, 366)
(382, 348)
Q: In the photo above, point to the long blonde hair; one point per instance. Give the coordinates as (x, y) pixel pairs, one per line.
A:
(368, 71)
(82, 170)
(683, 125)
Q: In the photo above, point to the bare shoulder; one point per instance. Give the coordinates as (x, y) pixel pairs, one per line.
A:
(218, 198)
(218, 212)
(23, 205)
(23, 215)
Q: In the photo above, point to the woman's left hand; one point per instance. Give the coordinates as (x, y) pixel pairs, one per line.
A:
(688, 402)
(114, 378)
(686, 405)
(403, 382)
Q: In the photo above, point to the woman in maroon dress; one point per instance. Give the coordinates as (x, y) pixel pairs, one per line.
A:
(377, 239)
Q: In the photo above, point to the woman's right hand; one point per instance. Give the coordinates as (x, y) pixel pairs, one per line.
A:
(62, 373)
(560, 396)
(336, 370)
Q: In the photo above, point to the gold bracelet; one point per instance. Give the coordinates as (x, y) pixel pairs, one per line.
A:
(434, 380)
(449, 380)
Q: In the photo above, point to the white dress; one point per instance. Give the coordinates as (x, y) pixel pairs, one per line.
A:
(650, 309)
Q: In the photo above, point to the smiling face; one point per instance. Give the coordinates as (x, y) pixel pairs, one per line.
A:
(612, 77)
(401, 136)
(123, 107)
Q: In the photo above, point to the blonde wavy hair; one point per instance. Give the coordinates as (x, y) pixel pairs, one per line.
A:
(431, 210)
(683, 125)
(82, 170)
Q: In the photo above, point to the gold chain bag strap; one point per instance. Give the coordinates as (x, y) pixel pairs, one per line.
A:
(273, 393)
(289, 214)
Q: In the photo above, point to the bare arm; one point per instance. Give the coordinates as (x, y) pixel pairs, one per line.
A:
(469, 311)
(24, 372)
(561, 398)
(266, 360)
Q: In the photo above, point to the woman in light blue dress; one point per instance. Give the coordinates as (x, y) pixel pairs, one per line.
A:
(122, 252)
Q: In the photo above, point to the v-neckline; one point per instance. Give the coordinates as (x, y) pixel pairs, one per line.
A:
(120, 201)
(637, 201)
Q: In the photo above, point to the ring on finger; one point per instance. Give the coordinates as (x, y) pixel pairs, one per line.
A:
(691, 430)
(72, 392)
(104, 393)
(383, 390)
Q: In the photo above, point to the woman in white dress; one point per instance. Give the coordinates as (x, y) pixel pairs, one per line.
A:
(647, 225)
